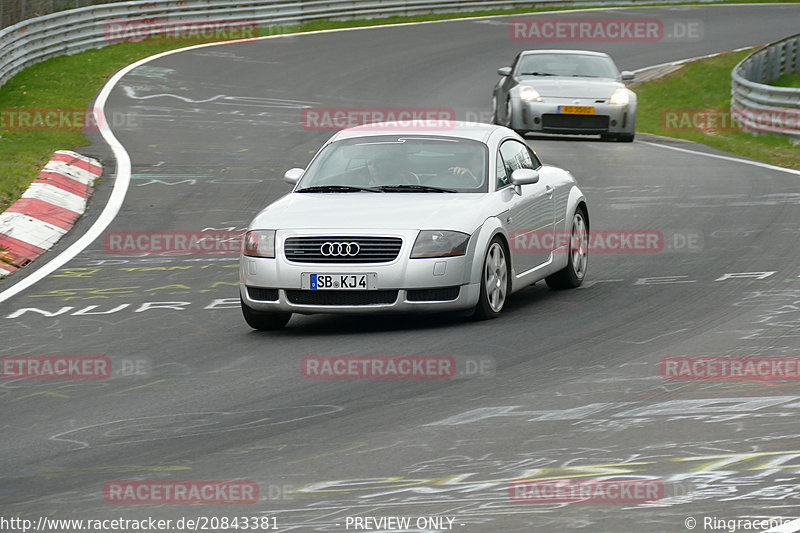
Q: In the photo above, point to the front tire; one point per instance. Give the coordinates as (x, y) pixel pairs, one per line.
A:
(495, 118)
(617, 137)
(495, 282)
(572, 275)
(264, 321)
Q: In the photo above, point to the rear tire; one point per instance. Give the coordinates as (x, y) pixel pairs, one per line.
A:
(572, 275)
(495, 282)
(264, 321)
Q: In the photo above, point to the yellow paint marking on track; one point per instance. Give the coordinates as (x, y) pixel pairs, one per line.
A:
(141, 386)
(326, 454)
(51, 393)
(76, 272)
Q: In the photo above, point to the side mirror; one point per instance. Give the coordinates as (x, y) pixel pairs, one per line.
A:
(524, 176)
(504, 71)
(293, 175)
(627, 75)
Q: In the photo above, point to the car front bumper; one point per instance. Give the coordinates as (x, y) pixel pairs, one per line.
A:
(402, 285)
(545, 117)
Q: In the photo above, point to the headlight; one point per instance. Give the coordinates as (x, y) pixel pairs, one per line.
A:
(529, 94)
(620, 97)
(259, 243)
(439, 243)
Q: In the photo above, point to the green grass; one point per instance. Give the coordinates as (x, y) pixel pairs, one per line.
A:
(23, 153)
(705, 85)
(791, 79)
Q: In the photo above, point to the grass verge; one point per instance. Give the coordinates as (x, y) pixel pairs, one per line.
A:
(791, 79)
(693, 103)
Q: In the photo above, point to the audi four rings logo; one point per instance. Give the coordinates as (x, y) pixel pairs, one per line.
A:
(340, 249)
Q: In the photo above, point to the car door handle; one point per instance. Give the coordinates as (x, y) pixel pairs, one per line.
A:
(548, 190)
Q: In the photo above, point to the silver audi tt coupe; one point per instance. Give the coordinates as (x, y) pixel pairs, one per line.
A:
(385, 219)
(565, 91)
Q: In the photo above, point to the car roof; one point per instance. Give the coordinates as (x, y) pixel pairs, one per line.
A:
(573, 52)
(449, 128)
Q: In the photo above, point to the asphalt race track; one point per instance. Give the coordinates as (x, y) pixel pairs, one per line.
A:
(576, 391)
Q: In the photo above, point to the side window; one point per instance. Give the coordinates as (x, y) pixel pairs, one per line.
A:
(517, 155)
(514, 155)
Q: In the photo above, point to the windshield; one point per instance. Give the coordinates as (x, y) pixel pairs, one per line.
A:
(399, 163)
(573, 65)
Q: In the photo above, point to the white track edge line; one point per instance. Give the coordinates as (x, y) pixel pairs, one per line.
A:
(725, 158)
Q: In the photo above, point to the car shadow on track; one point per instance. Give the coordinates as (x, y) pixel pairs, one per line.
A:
(565, 138)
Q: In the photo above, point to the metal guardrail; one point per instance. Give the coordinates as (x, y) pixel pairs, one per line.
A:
(760, 107)
(84, 28)
(13, 11)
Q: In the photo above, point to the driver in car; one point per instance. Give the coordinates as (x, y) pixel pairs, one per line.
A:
(470, 171)
(385, 170)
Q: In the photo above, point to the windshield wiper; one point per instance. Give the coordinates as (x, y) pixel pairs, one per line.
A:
(536, 74)
(413, 188)
(338, 188)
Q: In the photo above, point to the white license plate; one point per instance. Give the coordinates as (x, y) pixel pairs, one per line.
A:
(339, 282)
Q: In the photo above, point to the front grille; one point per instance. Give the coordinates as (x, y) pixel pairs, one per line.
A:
(444, 294)
(576, 123)
(341, 297)
(370, 249)
(265, 295)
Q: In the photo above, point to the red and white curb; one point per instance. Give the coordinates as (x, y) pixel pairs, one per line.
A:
(47, 210)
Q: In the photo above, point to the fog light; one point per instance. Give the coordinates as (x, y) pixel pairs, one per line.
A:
(613, 122)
